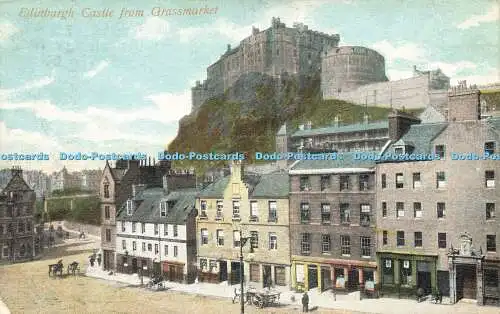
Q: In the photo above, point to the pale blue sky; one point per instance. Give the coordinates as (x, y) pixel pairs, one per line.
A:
(114, 85)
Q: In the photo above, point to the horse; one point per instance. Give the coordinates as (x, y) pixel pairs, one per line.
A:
(56, 268)
(156, 281)
(74, 268)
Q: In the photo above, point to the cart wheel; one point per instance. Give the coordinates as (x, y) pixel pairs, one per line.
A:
(260, 304)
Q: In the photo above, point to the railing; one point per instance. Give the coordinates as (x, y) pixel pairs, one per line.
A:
(254, 219)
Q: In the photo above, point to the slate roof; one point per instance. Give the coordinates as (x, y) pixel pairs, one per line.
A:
(343, 129)
(431, 115)
(343, 160)
(17, 183)
(271, 185)
(420, 137)
(118, 173)
(147, 206)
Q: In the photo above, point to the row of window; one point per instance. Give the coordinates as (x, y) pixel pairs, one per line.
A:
(440, 150)
(442, 242)
(345, 183)
(156, 228)
(22, 227)
(345, 245)
(150, 248)
(440, 210)
(489, 180)
(345, 213)
(272, 210)
(15, 211)
(254, 239)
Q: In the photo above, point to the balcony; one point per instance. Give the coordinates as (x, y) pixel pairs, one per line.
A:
(236, 217)
(272, 219)
(254, 219)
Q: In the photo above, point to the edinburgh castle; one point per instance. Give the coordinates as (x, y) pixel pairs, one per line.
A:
(354, 74)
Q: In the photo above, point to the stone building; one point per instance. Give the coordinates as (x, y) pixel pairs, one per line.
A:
(425, 207)
(157, 234)
(64, 180)
(91, 180)
(240, 206)
(357, 74)
(332, 225)
(17, 205)
(115, 188)
(273, 51)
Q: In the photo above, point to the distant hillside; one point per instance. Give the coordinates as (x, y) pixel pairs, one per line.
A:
(248, 116)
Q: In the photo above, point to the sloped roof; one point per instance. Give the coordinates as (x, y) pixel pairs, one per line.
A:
(431, 115)
(147, 206)
(17, 183)
(271, 185)
(343, 129)
(419, 139)
(282, 130)
(343, 160)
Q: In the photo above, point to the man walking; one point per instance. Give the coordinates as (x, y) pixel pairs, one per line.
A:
(305, 302)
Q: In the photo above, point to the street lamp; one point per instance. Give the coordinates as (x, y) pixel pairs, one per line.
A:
(243, 241)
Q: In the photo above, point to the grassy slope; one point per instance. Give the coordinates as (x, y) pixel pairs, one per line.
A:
(223, 125)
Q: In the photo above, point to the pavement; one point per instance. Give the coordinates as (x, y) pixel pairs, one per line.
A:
(318, 299)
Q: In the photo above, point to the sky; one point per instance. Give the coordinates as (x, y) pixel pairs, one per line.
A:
(121, 84)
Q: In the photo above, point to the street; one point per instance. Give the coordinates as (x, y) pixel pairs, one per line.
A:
(27, 288)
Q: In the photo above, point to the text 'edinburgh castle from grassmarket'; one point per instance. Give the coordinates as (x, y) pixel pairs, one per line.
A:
(351, 73)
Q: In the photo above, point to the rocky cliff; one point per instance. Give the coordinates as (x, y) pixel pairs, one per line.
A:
(247, 117)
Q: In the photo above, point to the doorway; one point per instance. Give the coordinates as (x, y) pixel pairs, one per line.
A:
(134, 265)
(326, 278)
(466, 282)
(424, 277)
(236, 274)
(266, 276)
(312, 276)
(353, 280)
(222, 271)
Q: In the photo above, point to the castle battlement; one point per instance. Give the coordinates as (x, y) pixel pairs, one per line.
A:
(276, 50)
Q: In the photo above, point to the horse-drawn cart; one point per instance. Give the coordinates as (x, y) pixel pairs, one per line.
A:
(259, 298)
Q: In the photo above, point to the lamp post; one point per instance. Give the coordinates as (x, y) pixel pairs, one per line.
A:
(243, 241)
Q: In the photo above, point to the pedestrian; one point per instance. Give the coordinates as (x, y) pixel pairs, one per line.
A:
(99, 259)
(92, 260)
(305, 302)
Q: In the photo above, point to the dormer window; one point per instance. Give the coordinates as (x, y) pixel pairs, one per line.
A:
(440, 151)
(130, 207)
(399, 150)
(163, 208)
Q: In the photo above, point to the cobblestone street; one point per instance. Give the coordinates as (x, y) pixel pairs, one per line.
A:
(27, 288)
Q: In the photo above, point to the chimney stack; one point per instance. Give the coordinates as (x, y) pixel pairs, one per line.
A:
(399, 124)
(137, 188)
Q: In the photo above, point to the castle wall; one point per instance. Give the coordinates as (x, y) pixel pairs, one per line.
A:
(347, 68)
(409, 93)
(273, 51)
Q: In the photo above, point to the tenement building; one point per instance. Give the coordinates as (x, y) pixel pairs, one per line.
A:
(437, 224)
(17, 205)
(332, 225)
(157, 233)
(246, 212)
(115, 188)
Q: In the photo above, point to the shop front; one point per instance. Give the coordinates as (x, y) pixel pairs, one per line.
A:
(339, 275)
(174, 271)
(267, 275)
(212, 270)
(402, 274)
